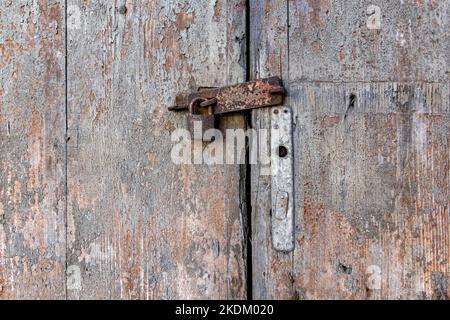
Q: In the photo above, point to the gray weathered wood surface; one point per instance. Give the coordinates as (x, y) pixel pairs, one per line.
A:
(32, 150)
(139, 226)
(371, 148)
(105, 214)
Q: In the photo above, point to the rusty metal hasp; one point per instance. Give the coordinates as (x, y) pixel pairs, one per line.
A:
(206, 105)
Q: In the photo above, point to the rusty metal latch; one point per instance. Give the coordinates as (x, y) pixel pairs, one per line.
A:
(206, 105)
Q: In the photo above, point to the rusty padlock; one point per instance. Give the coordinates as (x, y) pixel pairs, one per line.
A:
(201, 121)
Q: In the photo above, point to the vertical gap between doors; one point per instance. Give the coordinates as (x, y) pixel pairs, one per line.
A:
(66, 140)
(248, 171)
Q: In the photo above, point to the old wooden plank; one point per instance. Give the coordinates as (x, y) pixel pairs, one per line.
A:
(371, 148)
(378, 40)
(32, 150)
(141, 227)
(373, 190)
(268, 56)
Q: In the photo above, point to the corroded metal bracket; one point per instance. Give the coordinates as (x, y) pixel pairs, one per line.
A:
(245, 96)
(209, 103)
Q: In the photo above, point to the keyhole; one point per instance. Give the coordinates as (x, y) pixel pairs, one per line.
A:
(282, 151)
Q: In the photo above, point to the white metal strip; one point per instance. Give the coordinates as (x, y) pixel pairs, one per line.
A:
(282, 174)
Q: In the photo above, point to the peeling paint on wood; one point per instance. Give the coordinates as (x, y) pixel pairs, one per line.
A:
(372, 139)
(372, 190)
(369, 86)
(331, 41)
(32, 150)
(141, 227)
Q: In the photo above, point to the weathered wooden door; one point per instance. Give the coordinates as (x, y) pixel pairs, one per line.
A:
(103, 212)
(368, 82)
(92, 207)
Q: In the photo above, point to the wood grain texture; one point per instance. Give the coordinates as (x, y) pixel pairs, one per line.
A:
(371, 149)
(330, 40)
(272, 270)
(373, 188)
(32, 150)
(139, 226)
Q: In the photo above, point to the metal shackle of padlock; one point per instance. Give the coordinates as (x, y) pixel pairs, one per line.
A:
(206, 120)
